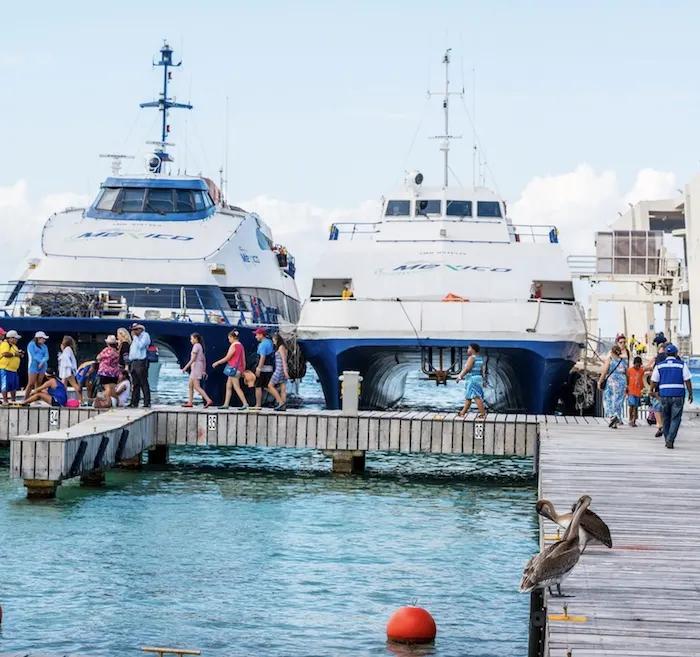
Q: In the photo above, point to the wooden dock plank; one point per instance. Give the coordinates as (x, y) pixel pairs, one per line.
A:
(641, 597)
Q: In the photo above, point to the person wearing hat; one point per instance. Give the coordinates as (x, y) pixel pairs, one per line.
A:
(108, 365)
(138, 365)
(52, 391)
(38, 361)
(9, 364)
(669, 381)
(265, 367)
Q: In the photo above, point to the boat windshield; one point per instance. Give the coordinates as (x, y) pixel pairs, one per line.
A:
(153, 200)
(428, 207)
(488, 209)
(398, 208)
(459, 208)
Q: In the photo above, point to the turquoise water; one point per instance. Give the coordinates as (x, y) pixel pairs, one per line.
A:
(264, 552)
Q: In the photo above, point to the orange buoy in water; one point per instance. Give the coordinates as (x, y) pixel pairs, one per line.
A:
(411, 625)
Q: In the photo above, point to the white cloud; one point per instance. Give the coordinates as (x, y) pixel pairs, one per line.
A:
(23, 219)
(583, 201)
(10, 60)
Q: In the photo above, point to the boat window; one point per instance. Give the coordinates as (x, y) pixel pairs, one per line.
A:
(428, 207)
(199, 200)
(159, 200)
(109, 195)
(398, 208)
(184, 200)
(130, 200)
(459, 208)
(488, 209)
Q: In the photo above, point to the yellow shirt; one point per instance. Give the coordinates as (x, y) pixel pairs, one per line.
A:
(9, 360)
(347, 294)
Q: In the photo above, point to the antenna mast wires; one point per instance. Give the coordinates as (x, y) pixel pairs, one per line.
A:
(446, 137)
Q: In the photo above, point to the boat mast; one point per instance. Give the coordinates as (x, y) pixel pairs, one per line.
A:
(445, 138)
(165, 103)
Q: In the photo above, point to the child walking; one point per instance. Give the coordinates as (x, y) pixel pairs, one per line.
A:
(635, 383)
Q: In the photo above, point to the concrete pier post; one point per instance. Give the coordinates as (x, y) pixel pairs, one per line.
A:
(40, 489)
(347, 461)
(350, 392)
(94, 479)
(158, 455)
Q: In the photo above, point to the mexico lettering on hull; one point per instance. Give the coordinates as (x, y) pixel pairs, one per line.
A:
(422, 266)
(136, 236)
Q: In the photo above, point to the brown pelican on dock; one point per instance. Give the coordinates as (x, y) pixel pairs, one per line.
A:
(591, 530)
(553, 565)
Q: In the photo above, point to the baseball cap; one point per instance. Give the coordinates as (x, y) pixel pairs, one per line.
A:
(260, 331)
(671, 349)
(41, 334)
(2, 331)
(12, 334)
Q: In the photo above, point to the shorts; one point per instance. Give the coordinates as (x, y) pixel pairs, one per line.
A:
(9, 381)
(108, 380)
(34, 368)
(55, 402)
(633, 401)
(263, 380)
(655, 405)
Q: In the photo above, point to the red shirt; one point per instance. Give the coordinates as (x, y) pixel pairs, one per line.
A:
(238, 358)
(636, 381)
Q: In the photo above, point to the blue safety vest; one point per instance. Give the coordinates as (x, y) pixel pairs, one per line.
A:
(671, 382)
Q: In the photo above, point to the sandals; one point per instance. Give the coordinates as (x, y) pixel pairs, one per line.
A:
(614, 422)
(187, 405)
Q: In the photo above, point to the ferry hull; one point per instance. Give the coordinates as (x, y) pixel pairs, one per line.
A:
(522, 376)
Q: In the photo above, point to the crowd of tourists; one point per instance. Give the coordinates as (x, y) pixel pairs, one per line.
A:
(625, 377)
(118, 375)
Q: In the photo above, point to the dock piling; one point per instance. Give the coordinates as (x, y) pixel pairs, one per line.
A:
(158, 455)
(94, 479)
(40, 489)
(346, 461)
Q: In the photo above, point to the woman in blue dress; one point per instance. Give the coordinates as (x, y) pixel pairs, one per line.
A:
(613, 383)
(473, 375)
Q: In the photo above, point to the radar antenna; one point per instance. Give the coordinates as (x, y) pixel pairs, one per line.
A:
(165, 104)
(117, 161)
(445, 139)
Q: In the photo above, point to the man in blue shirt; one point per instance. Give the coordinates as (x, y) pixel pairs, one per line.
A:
(265, 366)
(669, 380)
(138, 365)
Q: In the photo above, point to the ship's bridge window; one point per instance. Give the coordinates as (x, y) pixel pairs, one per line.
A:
(459, 208)
(153, 200)
(488, 209)
(398, 208)
(428, 207)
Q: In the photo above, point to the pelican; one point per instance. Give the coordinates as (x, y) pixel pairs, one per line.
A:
(553, 565)
(591, 530)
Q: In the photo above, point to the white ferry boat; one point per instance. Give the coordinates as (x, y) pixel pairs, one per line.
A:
(162, 248)
(441, 268)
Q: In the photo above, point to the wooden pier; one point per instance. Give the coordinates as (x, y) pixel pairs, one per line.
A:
(50, 445)
(642, 597)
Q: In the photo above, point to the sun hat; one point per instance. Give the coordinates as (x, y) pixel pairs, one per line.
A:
(12, 334)
(111, 339)
(41, 334)
(136, 325)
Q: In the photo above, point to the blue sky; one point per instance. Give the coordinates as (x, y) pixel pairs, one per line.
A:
(325, 96)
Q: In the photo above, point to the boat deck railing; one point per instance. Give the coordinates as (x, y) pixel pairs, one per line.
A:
(150, 303)
(529, 233)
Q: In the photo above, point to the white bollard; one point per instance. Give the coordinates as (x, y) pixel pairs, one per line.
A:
(350, 391)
